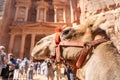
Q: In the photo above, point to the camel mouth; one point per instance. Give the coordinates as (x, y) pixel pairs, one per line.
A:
(40, 50)
(71, 53)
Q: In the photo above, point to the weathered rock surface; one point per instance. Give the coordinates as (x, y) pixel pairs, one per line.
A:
(2, 7)
(98, 6)
(108, 10)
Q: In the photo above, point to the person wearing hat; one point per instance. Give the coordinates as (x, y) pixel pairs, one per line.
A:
(3, 60)
(11, 63)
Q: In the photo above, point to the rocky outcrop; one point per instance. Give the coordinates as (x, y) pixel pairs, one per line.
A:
(97, 6)
(108, 10)
(7, 17)
(2, 7)
(111, 25)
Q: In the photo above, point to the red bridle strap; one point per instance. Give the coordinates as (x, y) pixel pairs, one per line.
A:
(75, 44)
(98, 41)
(82, 57)
(58, 53)
(64, 43)
(83, 53)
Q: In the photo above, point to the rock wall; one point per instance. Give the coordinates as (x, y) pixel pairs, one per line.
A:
(93, 7)
(112, 25)
(109, 10)
(2, 7)
(7, 18)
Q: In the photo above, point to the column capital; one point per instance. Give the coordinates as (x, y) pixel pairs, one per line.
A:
(24, 34)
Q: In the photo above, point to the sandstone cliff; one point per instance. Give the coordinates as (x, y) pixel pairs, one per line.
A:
(2, 7)
(108, 10)
(6, 21)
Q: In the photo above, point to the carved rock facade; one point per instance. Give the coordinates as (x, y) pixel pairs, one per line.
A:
(26, 21)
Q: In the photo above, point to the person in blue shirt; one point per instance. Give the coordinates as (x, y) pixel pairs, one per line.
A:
(70, 73)
(11, 64)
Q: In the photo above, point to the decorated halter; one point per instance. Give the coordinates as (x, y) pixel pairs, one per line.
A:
(84, 45)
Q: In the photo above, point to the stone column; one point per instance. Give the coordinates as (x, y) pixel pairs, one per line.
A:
(17, 9)
(26, 14)
(32, 43)
(64, 15)
(45, 15)
(22, 46)
(71, 11)
(37, 17)
(11, 43)
(55, 16)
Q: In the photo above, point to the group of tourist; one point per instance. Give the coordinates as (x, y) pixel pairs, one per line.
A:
(56, 71)
(8, 64)
(12, 68)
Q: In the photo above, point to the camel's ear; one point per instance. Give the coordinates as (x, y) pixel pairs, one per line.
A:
(90, 21)
(87, 23)
(99, 20)
(93, 22)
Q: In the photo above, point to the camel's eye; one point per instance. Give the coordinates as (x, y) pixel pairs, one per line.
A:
(91, 25)
(65, 32)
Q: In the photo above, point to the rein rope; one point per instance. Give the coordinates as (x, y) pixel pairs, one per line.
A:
(84, 45)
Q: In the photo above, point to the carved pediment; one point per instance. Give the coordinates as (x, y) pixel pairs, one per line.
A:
(60, 2)
(23, 2)
(42, 4)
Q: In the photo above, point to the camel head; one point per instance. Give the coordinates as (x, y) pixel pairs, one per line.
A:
(81, 33)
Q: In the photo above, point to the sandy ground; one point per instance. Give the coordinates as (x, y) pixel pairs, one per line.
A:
(36, 77)
(39, 77)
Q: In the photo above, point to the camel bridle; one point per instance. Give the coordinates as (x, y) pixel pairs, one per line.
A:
(83, 45)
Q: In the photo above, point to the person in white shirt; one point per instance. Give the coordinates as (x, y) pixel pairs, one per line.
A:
(3, 62)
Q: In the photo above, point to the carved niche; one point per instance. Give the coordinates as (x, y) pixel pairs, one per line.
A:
(60, 17)
(42, 8)
(22, 7)
(60, 7)
(21, 14)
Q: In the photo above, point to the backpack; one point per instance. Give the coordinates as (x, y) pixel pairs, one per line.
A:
(48, 64)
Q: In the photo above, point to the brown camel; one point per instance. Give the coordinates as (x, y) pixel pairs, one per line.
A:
(102, 61)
